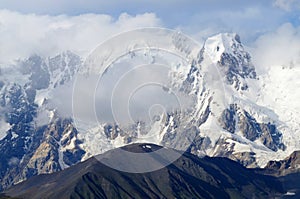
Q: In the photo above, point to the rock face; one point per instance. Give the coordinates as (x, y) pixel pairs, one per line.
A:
(30, 148)
(187, 177)
(290, 164)
(236, 119)
(54, 147)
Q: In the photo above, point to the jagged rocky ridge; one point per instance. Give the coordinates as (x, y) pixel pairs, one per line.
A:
(235, 117)
(29, 148)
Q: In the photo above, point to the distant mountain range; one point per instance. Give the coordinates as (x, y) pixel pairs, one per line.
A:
(236, 113)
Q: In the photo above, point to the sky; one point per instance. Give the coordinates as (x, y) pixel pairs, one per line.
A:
(172, 12)
(48, 27)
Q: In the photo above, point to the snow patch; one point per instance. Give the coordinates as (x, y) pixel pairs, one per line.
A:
(290, 193)
(147, 146)
(14, 135)
(4, 127)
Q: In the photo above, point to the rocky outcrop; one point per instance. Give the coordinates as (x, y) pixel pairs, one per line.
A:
(228, 118)
(290, 164)
(234, 119)
(27, 147)
(54, 148)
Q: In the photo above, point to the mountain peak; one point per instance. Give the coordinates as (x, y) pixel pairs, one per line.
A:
(227, 51)
(221, 43)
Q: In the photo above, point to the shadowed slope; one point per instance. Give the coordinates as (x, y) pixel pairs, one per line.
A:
(187, 177)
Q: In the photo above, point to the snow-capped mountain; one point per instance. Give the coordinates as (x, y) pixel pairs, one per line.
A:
(236, 112)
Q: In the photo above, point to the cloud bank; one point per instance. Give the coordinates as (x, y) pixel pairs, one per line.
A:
(278, 48)
(25, 34)
(287, 5)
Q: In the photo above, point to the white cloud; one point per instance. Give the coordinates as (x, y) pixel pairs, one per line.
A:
(278, 48)
(25, 34)
(284, 4)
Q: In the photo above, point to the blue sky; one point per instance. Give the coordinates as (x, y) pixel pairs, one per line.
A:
(50, 26)
(249, 18)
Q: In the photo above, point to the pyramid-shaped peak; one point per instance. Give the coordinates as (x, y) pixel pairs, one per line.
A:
(221, 43)
(227, 51)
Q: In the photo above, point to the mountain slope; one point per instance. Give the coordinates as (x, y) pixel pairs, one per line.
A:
(187, 177)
